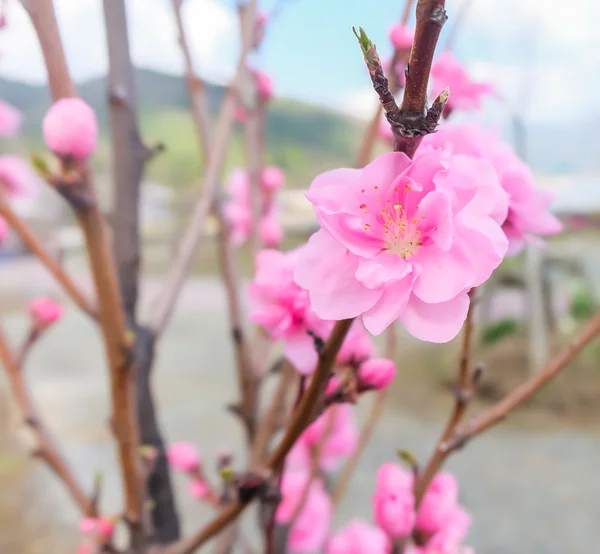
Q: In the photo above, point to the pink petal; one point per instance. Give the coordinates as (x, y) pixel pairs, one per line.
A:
(390, 305)
(437, 210)
(300, 350)
(376, 272)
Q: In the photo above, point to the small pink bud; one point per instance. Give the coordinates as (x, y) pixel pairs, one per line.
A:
(270, 231)
(3, 229)
(401, 36)
(17, 177)
(333, 385)
(45, 311)
(272, 178)
(377, 372)
(10, 118)
(261, 18)
(183, 456)
(87, 525)
(105, 527)
(264, 85)
(241, 115)
(70, 128)
(198, 489)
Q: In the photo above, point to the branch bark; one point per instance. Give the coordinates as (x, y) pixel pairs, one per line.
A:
(46, 450)
(129, 157)
(39, 250)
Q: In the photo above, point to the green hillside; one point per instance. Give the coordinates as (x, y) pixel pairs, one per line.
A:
(303, 139)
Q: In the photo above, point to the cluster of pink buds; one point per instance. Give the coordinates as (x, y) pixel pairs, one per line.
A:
(97, 532)
(184, 457)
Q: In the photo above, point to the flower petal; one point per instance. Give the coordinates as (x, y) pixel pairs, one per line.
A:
(390, 305)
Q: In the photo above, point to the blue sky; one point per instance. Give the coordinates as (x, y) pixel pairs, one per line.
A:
(546, 52)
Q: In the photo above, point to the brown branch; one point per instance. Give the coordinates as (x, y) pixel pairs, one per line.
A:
(46, 449)
(375, 413)
(196, 88)
(521, 394)
(187, 247)
(43, 18)
(303, 416)
(104, 272)
(463, 393)
(370, 136)
(38, 249)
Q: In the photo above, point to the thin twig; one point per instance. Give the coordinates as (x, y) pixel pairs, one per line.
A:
(303, 416)
(51, 264)
(521, 394)
(46, 449)
(187, 247)
(463, 393)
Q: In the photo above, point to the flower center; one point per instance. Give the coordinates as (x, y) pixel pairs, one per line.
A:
(401, 232)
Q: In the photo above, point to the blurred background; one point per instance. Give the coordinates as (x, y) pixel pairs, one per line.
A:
(530, 484)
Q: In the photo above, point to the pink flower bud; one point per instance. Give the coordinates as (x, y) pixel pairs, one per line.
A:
(198, 489)
(270, 231)
(106, 527)
(16, 177)
(358, 537)
(377, 372)
(272, 178)
(83, 549)
(70, 128)
(3, 229)
(241, 114)
(439, 503)
(394, 501)
(183, 456)
(333, 385)
(87, 525)
(401, 36)
(10, 119)
(45, 311)
(264, 86)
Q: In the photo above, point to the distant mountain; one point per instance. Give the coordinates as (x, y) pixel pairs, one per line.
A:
(303, 139)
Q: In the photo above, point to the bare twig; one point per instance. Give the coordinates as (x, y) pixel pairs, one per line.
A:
(51, 264)
(103, 269)
(521, 394)
(463, 393)
(303, 416)
(46, 449)
(186, 250)
(370, 136)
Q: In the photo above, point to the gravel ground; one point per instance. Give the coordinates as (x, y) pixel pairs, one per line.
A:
(529, 493)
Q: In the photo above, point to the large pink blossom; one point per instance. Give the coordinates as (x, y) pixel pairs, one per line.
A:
(465, 94)
(438, 504)
(394, 501)
(309, 531)
(335, 433)
(358, 537)
(10, 120)
(391, 230)
(70, 128)
(16, 177)
(528, 207)
(283, 308)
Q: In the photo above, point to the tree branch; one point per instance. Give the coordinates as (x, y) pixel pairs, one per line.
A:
(38, 249)
(129, 157)
(305, 413)
(46, 449)
(186, 249)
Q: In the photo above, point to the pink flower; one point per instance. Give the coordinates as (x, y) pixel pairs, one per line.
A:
(401, 36)
(309, 532)
(105, 527)
(241, 115)
(70, 128)
(272, 178)
(198, 489)
(183, 456)
(377, 373)
(10, 120)
(335, 432)
(283, 309)
(264, 85)
(298, 458)
(389, 230)
(453, 531)
(44, 311)
(357, 346)
(87, 525)
(358, 537)
(439, 503)
(270, 230)
(528, 207)
(3, 230)
(394, 501)
(16, 177)
(465, 94)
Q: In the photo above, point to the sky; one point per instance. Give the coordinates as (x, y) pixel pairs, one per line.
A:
(542, 55)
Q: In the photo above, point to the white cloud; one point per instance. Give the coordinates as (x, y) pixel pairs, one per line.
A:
(211, 28)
